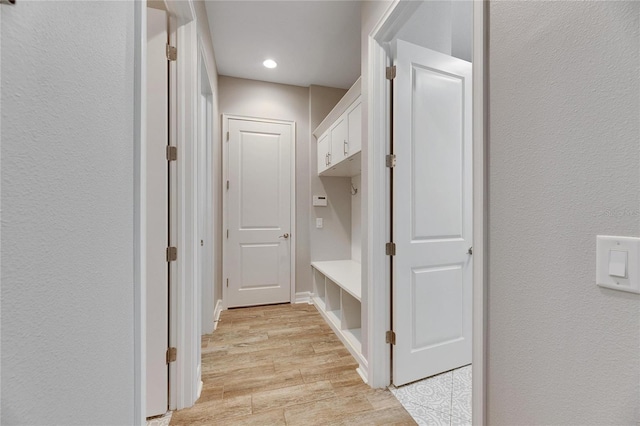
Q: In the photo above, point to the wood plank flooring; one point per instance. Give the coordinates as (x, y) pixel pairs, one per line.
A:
(282, 365)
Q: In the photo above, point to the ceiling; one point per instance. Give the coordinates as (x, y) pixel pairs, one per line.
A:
(313, 42)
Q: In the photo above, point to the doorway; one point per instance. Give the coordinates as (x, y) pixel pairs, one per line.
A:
(259, 211)
(157, 214)
(398, 281)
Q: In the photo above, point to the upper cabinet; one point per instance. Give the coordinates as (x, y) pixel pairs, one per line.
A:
(339, 137)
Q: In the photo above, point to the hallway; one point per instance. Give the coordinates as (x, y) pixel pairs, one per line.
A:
(282, 364)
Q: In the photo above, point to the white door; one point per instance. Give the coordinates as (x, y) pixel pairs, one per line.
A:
(258, 250)
(432, 213)
(157, 193)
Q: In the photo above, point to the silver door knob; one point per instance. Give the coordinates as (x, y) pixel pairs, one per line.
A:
(285, 236)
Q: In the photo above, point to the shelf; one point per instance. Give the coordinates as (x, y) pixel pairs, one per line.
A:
(350, 166)
(345, 273)
(354, 336)
(334, 316)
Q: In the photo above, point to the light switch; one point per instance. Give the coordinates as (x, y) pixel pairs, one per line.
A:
(618, 263)
(319, 223)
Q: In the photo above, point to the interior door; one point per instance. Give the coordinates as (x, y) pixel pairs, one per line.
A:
(432, 213)
(258, 250)
(157, 215)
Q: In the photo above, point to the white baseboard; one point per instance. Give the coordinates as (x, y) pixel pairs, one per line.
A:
(216, 314)
(362, 372)
(199, 389)
(303, 297)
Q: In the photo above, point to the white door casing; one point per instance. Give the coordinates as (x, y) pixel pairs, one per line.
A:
(157, 200)
(432, 213)
(258, 251)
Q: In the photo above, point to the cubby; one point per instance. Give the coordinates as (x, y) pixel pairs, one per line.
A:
(337, 291)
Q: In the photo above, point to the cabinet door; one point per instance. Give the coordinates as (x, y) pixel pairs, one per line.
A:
(354, 138)
(339, 133)
(323, 152)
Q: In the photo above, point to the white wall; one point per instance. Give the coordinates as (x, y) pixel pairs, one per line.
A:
(333, 241)
(67, 213)
(564, 166)
(283, 102)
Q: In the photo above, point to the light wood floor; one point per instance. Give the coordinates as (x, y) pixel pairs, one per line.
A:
(282, 365)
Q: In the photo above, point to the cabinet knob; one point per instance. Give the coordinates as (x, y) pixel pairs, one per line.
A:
(285, 236)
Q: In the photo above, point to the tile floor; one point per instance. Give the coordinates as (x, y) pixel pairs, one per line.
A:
(444, 399)
(160, 420)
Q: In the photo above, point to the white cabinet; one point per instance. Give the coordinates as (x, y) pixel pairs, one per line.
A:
(323, 152)
(354, 137)
(337, 287)
(340, 137)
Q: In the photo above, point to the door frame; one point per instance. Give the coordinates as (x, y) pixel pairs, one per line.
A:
(378, 206)
(225, 199)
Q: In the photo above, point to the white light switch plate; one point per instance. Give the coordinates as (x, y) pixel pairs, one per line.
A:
(319, 222)
(608, 263)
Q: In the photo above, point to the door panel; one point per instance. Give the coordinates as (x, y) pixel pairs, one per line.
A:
(437, 161)
(157, 193)
(258, 252)
(432, 213)
(260, 207)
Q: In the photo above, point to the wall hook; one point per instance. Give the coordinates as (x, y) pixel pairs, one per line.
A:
(354, 190)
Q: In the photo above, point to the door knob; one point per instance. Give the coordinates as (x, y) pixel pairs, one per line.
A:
(285, 236)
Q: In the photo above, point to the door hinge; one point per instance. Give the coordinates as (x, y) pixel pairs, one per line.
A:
(391, 72)
(390, 249)
(227, 184)
(227, 136)
(172, 354)
(172, 153)
(172, 53)
(227, 282)
(391, 337)
(227, 234)
(391, 160)
(172, 254)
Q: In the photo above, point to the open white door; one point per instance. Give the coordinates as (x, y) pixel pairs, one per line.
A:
(259, 200)
(432, 213)
(157, 214)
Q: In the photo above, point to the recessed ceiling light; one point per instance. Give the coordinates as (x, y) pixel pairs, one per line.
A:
(270, 63)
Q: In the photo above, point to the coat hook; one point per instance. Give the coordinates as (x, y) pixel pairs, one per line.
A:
(354, 190)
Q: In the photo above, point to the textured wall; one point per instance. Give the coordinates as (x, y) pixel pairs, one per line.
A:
(564, 166)
(333, 241)
(282, 102)
(67, 213)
